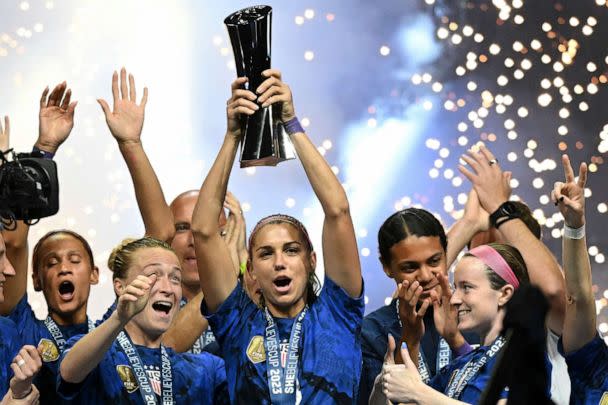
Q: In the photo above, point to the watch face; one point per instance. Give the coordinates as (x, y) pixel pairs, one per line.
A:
(508, 208)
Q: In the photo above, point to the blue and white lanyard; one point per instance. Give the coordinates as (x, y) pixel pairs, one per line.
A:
(471, 369)
(56, 333)
(444, 355)
(145, 387)
(282, 380)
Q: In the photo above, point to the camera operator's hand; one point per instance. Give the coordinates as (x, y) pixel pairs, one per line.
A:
(5, 134)
(56, 117)
(127, 119)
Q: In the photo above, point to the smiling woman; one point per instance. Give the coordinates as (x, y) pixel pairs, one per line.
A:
(123, 359)
(485, 278)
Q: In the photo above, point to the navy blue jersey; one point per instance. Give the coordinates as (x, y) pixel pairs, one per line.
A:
(34, 332)
(330, 351)
(205, 343)
(588, 369)
(374, 334)
(197, 378)
(10, 344)
(474, 387)
(107, 314)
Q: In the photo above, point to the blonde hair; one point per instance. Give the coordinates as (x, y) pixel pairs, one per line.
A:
(121, 258)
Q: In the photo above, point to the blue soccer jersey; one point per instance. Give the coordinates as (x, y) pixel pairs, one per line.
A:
(10, 344)
(588, 369)
(471, 390)
(374, 341)
(205, 342)
(329, 352)
(196, 378)
(34, 332)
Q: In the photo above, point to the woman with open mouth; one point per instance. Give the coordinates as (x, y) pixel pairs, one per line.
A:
(62, 264)
(123, 360)
(293, 346)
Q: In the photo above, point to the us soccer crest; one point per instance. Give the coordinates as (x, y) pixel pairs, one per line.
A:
(48, 351)
(255, 350)
(128, 378)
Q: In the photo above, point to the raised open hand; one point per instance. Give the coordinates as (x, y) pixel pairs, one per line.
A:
(412, 318)
(56, 117)
(444, 313)
(490, 182)
(474, 214)
(127, 119)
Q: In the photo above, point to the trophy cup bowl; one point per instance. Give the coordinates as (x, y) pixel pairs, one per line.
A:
(264, 142)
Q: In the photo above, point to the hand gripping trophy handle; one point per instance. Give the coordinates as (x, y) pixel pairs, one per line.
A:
(265, 142)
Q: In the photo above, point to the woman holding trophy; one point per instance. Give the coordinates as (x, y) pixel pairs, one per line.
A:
(294, 345)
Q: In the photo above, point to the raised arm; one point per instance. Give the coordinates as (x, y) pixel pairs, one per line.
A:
(213, 257)
(474, 220)
(188, 325)
(88, 352)
(126, 122)
(340, 253)
(493, 189)
(580, 320)
(56, 120)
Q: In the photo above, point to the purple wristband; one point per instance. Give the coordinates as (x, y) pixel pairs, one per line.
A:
(464, 349)
(293, 126)
(45, 154)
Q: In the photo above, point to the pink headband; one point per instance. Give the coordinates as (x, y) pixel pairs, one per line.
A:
(491, 258)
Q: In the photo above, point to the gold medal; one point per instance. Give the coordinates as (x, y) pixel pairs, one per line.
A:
(48, 351)
(604, 400)
(255, 350)
(128, 378)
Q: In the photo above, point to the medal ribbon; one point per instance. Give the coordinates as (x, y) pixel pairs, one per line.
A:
(444, 355)
(282, 380)
(145, 387)
(56, 333)
(471, 369)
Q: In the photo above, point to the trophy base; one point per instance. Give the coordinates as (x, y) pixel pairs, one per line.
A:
(265, 142)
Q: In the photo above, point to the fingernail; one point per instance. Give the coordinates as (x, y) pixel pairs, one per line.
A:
(404, 345)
